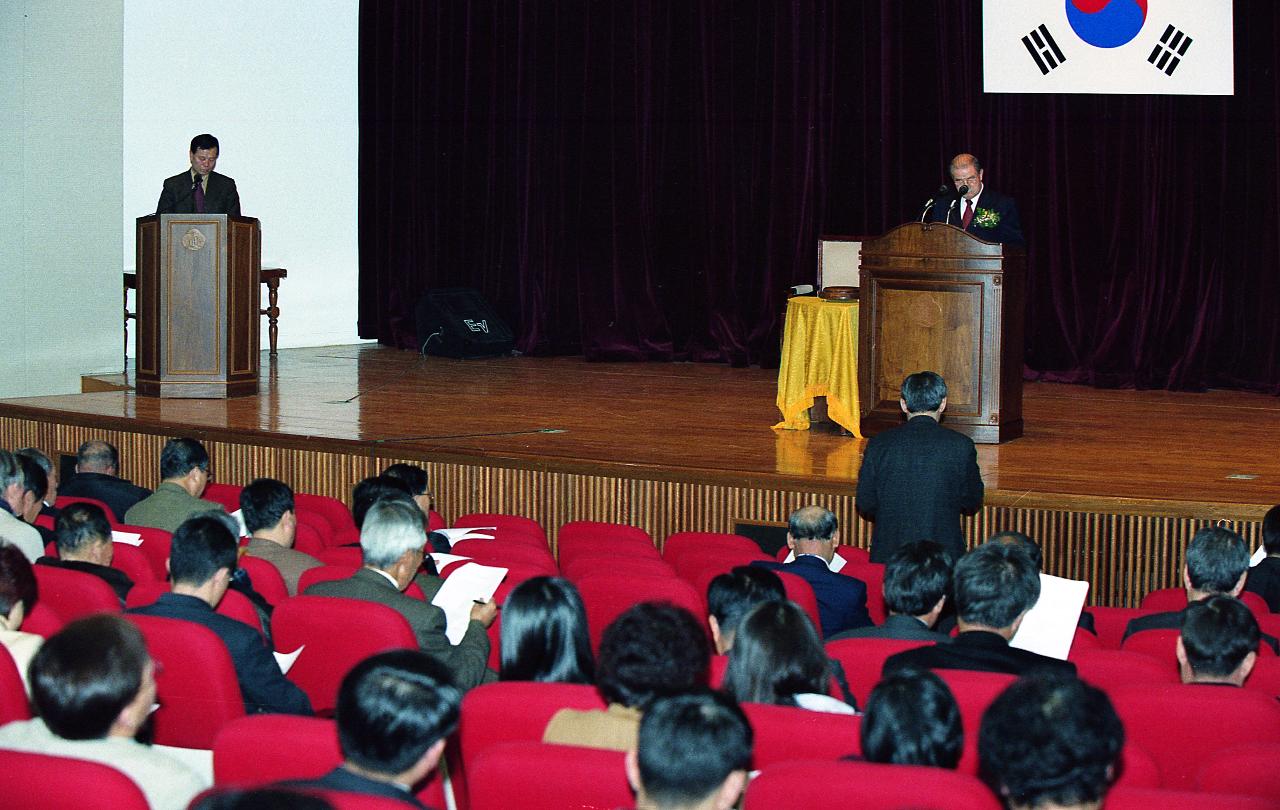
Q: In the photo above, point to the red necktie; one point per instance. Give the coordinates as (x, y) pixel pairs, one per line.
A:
(968, 214)
(199, 192)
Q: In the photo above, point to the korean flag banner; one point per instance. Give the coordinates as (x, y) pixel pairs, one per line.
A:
(1166, 47)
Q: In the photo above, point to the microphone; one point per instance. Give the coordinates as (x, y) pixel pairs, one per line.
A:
(960, 192)
(941, 193)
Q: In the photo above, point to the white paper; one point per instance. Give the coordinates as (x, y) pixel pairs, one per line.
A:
(287, 660)
(468, 533)
(238, 516)
(464, 587)
(197, 759)
(128, 538)
(837, 562)
(442, 560)
(1258, 556)
(1050, 626)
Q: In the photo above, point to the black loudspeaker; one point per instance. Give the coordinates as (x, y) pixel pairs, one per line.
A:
(458, 322)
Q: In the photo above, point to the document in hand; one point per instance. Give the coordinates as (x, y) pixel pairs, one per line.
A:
(1050, 626)
(464, 587)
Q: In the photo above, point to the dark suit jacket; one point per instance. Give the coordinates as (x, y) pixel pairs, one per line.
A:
(117, 579)
(842, 600)
(896, 626)
(915, 481)
(262, 685)
(1172, 620)
(1264, 580)
(116, 493)
(1007, 230)
(343, 780)
(220, 195)
(467, 661)
(979, 651)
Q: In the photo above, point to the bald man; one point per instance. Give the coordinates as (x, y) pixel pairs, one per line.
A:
(981, 211)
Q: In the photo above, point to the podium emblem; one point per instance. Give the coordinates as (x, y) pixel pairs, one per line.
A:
(193, 240)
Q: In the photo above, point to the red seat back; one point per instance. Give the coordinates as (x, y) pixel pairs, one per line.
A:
(62, 783)
(801, 592)
(516, 525)
(503, 552)
(1172, 599)
(547, 777)
(1248, 769)
(678, 544)
(873, 575)
(226, 494)
(601, 531)
(311, 537)
(1109, 669)
(325, 573)
(606, 544)
(13, 697)
(63, 501)
(1126, 798)
(867, 786)
(333, 511)
(266, 579)
(1110, 623)
(156, 544)
(74, 594)
(350, 556)
(134, 562)
(863, 659)
(196, 683)
(328, 655)
(582, 565)
(974, 692)
(1265, 677)
(43, 620)
(606, 595)
(698, 566)
(778, 728)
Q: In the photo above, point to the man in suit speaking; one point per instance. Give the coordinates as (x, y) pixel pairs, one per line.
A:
(200, 190)
(983, 212)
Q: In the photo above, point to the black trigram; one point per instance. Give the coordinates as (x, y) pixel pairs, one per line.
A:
(1043, 49)
(1168, 52)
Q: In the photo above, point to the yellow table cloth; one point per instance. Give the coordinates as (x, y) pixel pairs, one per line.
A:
(819, 359)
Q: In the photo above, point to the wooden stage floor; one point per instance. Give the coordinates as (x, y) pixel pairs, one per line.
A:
(1153, 452)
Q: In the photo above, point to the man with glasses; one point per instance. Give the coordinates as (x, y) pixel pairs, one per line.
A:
(983, 212)
(184, 470)
(201, 563)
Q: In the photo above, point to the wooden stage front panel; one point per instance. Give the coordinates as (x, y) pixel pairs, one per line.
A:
(1113, 483)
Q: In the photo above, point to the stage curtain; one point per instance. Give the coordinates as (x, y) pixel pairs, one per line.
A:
(643, 180)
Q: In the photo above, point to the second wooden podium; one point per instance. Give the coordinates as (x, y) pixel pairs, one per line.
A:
(198, 305)
(935, 298)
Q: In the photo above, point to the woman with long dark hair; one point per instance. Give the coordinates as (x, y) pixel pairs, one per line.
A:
(544, 633)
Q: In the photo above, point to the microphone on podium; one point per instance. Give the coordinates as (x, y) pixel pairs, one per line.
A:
(940, 194)
(960, 192)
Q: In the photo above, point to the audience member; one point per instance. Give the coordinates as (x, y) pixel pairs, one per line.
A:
(916, 582)
(184, 473)
(1050, 741)
(1219, 642)
(34, 486)
(813, 534)
(1217, 565)
(271, 798)
(17, 597)
(693, 753)
(83, 537)
(51, 480)
(1085, 622)
(544, 633)
(995, 585)
(912, 719)
(201, 562)
(415, 478)
(272, 522)
(374, 489)
(13, 529)
(93, 685)
(395, 711)
(392, 540)
(1264, 578)
(652, 650)
(732, 595)
(778, 658)
(98, 476)
(917, 479)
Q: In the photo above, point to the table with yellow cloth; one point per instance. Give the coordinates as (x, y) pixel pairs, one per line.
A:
(819, 359)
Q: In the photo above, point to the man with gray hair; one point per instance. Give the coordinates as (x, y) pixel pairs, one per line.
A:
(13, 530)
(98, 477)
(393, 541)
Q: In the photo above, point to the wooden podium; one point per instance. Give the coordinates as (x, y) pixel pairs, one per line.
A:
(198, 304)
(935, 298)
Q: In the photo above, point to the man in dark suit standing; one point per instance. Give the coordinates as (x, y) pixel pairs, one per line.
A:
(200, 190)
(918, 478)
(812, 533)
(983, 212)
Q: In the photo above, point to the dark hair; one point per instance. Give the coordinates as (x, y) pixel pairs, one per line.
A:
(80, 525)
(730, 596)
(1018, 538)
(374, 489)
(923, 392)
(1216, 557)
(265, 798)
(181, 456)
(1271, 530)
(34, 479)
(201, 546)
(776, 655)
(86, 673)
(994, 584)
(812, 523)
(544, 633)
(651, 650)
(912, 719)
(96, 453)
(412, 475)
(916, 577)
(1050, 738)
(264, 502)
(1218, 632)
(205, 141)
(689, 744)
(17, 580)
(392, 707)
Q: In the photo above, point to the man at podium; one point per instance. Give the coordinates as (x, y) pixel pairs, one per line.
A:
(200, 190)
(983, 212)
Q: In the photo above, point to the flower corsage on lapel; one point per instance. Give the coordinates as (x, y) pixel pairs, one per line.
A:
(986, 218)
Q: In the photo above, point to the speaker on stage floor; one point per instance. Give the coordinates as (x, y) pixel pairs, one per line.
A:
(458, 322)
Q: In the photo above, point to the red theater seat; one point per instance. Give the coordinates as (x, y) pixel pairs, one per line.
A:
(61, 783)
(547, 777)
(779, 731)
(13, 698)
(74, 594)
(1248, 769)
(607, 595)
(863, 659)
(867, 786)
(681, 543)
(266, 579)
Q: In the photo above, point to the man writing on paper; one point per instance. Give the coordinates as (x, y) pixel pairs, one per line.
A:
(983, 212)
(200, 190)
